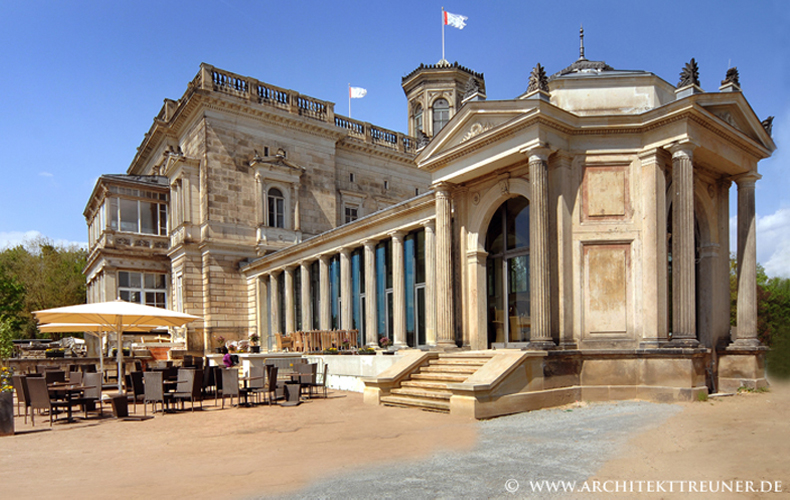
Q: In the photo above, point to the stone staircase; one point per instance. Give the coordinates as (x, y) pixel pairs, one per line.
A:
(427, 387)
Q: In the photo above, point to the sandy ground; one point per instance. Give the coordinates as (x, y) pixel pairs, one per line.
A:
(249, 452)
(738, 438)
(216, 453)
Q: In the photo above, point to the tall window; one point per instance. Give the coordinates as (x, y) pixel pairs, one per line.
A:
(417, 119)
(143, 288)
(138, 216)
(441, 114)
(276, 208)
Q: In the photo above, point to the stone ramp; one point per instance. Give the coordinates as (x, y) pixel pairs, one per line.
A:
(427, 388)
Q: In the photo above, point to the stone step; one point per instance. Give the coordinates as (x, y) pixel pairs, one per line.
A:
(466, 354)
(457, 362)
(439, 377)
(423, 394)
(410, 402)
(424, 385)
(450, 369)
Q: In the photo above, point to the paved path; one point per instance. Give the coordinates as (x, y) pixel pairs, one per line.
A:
(559, 444)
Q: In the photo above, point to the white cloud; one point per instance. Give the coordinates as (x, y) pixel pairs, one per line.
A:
(45, 174)
(773, 241)
(13, 238)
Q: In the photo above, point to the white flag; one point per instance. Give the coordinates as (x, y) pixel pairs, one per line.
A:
(356, 92)
(455, 20)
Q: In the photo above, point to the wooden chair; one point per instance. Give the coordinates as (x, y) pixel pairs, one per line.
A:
(298, 341)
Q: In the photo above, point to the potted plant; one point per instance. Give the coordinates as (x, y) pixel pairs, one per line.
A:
(126, 351)
(220, 343)
(6, 389)
(331, 350)
(58, 352)
(254, 338)
(366, 351)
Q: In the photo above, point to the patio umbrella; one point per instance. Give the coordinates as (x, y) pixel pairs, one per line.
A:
(116, 316)
(93, 329)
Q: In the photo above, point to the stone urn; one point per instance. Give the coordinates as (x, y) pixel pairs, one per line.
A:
(6, 413)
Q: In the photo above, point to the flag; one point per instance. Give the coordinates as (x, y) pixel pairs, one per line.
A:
(356, 92)
(455, 20)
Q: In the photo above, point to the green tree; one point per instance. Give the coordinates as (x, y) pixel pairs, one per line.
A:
(50, 275)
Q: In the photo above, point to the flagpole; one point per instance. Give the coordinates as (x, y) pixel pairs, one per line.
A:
(442, 33)
(349, 100)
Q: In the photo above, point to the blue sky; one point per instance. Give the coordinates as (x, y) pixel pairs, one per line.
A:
(82, 80)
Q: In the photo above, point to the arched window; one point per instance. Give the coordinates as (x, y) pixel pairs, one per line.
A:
(441, 114)
(276, 208)
(417, 119)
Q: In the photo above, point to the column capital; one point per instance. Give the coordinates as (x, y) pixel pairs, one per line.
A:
(443, 189)
(429, 224)
(683, 148)
(746, 180)
(369, 242)
(397, 234)
(650, 155)
(346, 250)
(537, 152)
(324, 258)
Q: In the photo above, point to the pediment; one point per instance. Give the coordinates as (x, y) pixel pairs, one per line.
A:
(276, 168)
(475, 122)
(740, 116)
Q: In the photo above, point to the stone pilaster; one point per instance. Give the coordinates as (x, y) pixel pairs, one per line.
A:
(747, 263)
(654, 249)
(684, 308)
(259, 201)
(263, 312)
(345, 289)
(297, 211)
(326, 306)
(430, 283)
(290, 308)
(274, 299)
(445, 331)
(540, 262)
(398, 291)
(371, 334)
(307, 311)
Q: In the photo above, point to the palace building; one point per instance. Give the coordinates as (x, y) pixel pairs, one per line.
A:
(569, 243)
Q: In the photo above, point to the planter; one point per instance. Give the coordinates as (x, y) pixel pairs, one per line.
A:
(256, 349)
(55, 354)
(6, 413)
(218, 350)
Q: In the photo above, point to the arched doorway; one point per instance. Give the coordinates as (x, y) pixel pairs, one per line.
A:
(508, 274)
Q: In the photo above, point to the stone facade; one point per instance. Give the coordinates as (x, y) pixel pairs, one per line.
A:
(584, 222)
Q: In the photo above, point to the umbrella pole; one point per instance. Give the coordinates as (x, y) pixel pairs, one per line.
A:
(119, 329)
(101, 355)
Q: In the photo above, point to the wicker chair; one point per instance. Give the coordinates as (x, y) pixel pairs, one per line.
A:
(230, 385)
(154, 391)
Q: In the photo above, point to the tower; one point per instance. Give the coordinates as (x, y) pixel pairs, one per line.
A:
(436, 92)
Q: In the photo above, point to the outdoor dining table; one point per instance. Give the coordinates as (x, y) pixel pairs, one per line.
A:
(68, 390)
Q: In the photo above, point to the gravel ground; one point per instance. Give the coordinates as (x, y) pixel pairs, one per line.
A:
(568, 444)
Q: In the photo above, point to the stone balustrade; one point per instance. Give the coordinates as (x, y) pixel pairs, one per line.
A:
(252, 90)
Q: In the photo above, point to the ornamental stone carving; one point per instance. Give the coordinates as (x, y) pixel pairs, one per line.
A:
(475, 130)
(768, 124)
(538, 79)
(731, 77)
(689, 75)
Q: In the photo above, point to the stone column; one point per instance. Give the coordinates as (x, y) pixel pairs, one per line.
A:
(307, 310)
(274, 298)
(345, 289)
(263, 312)
(684, 307)
(654, 249)
(371, 333)
(445, 331)
(747, 263)
(290, 321)
(540, 286)
(398, 290)
(430, 283)
(297, 212)
(326, 306)
(260, 202)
